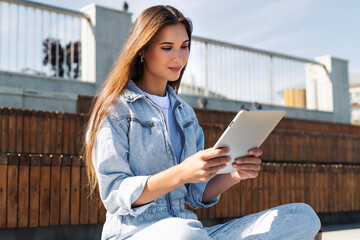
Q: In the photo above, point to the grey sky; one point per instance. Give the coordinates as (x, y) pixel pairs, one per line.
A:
(303, 28)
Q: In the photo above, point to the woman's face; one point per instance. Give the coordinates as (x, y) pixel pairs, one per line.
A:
(167, 53)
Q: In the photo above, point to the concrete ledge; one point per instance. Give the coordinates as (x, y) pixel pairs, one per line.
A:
(78, 232)
(223, 104)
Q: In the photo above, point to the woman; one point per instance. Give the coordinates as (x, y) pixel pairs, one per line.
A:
(144, 148)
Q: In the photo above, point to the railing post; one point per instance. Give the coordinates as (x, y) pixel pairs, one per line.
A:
(206, 71)
(271, 79)
(102, 38)
(334, 84)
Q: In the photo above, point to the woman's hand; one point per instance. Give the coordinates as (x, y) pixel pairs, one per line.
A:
(247, 167)
(203, 165)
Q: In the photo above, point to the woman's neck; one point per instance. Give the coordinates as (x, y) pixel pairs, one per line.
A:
(153, 87)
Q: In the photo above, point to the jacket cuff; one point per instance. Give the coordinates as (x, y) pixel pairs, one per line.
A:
(200, 188)
(134, 186)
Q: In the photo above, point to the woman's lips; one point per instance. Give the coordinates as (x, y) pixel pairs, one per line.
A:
(175, 69)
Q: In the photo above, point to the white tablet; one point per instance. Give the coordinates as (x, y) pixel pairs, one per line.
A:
(247, 130)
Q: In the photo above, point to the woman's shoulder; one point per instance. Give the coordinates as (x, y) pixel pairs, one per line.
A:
(119, 109)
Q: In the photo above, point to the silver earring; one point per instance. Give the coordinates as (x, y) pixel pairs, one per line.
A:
(142, 59)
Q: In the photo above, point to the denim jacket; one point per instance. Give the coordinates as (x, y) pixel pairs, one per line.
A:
(131, 145)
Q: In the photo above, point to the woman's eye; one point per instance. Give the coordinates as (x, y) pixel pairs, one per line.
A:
(169, 48)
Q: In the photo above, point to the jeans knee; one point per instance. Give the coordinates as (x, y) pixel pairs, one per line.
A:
(185, 229)
(308, 217)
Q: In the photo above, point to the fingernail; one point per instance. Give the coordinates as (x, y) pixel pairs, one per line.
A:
(238, 160)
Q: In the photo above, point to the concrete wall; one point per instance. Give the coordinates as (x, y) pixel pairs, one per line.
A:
(18, 90)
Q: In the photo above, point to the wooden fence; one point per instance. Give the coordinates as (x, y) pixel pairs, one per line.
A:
(49, 190)
(43, 180)
(293, 140)
(32, 131)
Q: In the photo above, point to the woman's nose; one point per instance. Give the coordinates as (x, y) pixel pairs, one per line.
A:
(180, 54)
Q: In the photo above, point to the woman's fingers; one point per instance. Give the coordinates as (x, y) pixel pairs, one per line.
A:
(255, 152)
(213, 153)
(217, 161)
(250, 167)
(250, 160)
(248, 174)
(216, 168)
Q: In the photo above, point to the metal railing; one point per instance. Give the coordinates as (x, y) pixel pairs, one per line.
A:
(241, 73)
(40, 39)
(44, 40)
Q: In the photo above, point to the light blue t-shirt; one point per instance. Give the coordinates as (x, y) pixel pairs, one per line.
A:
(172, 127)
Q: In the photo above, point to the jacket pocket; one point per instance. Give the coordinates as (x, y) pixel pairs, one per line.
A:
(148, 125)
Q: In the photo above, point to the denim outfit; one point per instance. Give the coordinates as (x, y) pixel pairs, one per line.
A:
(131, 145)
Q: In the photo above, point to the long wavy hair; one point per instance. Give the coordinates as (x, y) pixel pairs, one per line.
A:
(128, 66)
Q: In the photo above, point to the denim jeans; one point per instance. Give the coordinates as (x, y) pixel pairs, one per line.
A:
(290, 221)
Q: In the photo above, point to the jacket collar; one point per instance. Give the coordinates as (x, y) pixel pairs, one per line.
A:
(133, 92)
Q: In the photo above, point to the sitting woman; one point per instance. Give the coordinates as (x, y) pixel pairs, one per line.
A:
(145, 149)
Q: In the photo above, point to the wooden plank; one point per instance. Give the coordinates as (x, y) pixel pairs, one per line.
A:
(254, 193)
(300, 183)
(65, 190)
(78, 132)
(325, 182)
(4, 129)
(3, 188)
(53, 132)
(347, 188)
(352, 186)
(33, 130)
(357, 191)
(47, 132)
(19, 131)
(271, 184)
(282, 184)
(94, 206)
(266, 176)
(224, 205)
(44, 219)
(26, 131)
(75, 191)
(12, 193)
(12, 130)
(330, 189)
(316, 188)
(102, 213)
(338, 186)
(23, 208)
(66, 135)
(292, 181)
(243, 198)
(237, 201)
(259, 195)
(72, 136)
(40, 132)
(249, 196)
(84, 193)
(55, 191)
(59, 133)
(35, 161)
